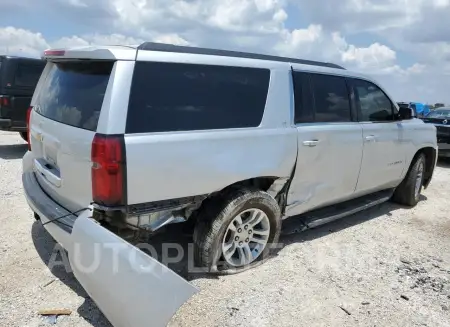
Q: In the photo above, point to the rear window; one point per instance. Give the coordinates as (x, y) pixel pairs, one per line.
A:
(72, 92)
(181, 97)
(28, 74)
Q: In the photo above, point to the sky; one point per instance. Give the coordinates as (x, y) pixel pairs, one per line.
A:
(403, 44)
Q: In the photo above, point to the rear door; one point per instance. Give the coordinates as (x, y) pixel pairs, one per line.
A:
(63, 124)
(384, 154)
(329, 143)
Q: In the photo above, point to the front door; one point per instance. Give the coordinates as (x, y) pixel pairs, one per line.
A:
(383, 155)
(329, 143)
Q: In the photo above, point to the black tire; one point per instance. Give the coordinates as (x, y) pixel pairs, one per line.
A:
(405, 193)
(212, 222)
(24, 135)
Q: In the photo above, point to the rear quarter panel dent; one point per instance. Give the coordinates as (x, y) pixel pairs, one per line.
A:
(177, 165)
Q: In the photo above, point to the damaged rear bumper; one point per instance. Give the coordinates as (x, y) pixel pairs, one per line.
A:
(131, 288)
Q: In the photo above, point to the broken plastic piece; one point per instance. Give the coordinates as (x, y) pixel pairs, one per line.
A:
(51, 319)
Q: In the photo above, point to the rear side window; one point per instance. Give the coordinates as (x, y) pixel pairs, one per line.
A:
(331, 98)
(27, 74)
(72, 92)
(182, 97)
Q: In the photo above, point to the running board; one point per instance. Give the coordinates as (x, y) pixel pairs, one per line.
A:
(328, 214)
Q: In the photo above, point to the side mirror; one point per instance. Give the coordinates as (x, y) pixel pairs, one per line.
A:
(405, 113)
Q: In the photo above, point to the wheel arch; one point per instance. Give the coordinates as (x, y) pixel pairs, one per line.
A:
(262, 183)
(275, 186)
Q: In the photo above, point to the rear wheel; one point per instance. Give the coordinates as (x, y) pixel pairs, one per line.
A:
(236, 231)
(24, 135)
(408, 192)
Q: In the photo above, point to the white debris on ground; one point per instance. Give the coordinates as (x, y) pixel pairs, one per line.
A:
(388, 266)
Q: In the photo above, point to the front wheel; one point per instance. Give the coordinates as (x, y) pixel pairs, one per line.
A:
(236, 231)
(24, 135)
(408, 192)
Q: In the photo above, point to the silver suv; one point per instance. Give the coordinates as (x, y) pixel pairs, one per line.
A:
(141, 137)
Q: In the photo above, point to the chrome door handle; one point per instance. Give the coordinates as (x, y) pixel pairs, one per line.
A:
(311, 143)
(370, 138)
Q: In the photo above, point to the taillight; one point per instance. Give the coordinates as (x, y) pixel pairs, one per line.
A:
(28, 127)
(108, 170)
(4, 101)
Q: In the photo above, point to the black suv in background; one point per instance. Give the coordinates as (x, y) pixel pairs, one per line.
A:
(18, 79)
(440, 117)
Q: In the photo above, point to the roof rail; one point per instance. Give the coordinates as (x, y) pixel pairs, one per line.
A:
(153, 46)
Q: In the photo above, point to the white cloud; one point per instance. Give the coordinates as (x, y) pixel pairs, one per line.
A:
(17, 41)
(392, 30)
(171, 39)
(94, 39)
(374, 56)
(315, 43)
(231, 15)
(301, 37)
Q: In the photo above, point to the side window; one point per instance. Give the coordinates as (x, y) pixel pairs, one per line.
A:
(331, 98)
(373, 104)
(302, 98)
(183, 97)
(27, 75)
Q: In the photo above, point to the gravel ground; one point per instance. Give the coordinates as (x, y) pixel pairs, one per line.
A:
(388, 266)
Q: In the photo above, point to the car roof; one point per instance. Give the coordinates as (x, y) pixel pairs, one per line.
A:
(157, 53)
(128, 52)
(162, 47)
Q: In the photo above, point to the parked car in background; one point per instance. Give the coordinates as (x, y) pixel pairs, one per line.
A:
(238, 143)
(18, 79)
(441, 119)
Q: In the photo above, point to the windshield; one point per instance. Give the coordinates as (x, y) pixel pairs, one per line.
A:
(439, 114)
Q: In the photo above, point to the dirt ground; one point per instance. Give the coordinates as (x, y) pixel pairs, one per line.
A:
(388, 266)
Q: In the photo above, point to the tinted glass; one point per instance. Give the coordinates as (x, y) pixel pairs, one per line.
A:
(439, 114)
(374, 104)
(73, 93)
(28, 74)
(181, 97)
(302, 98)
(331, 98)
